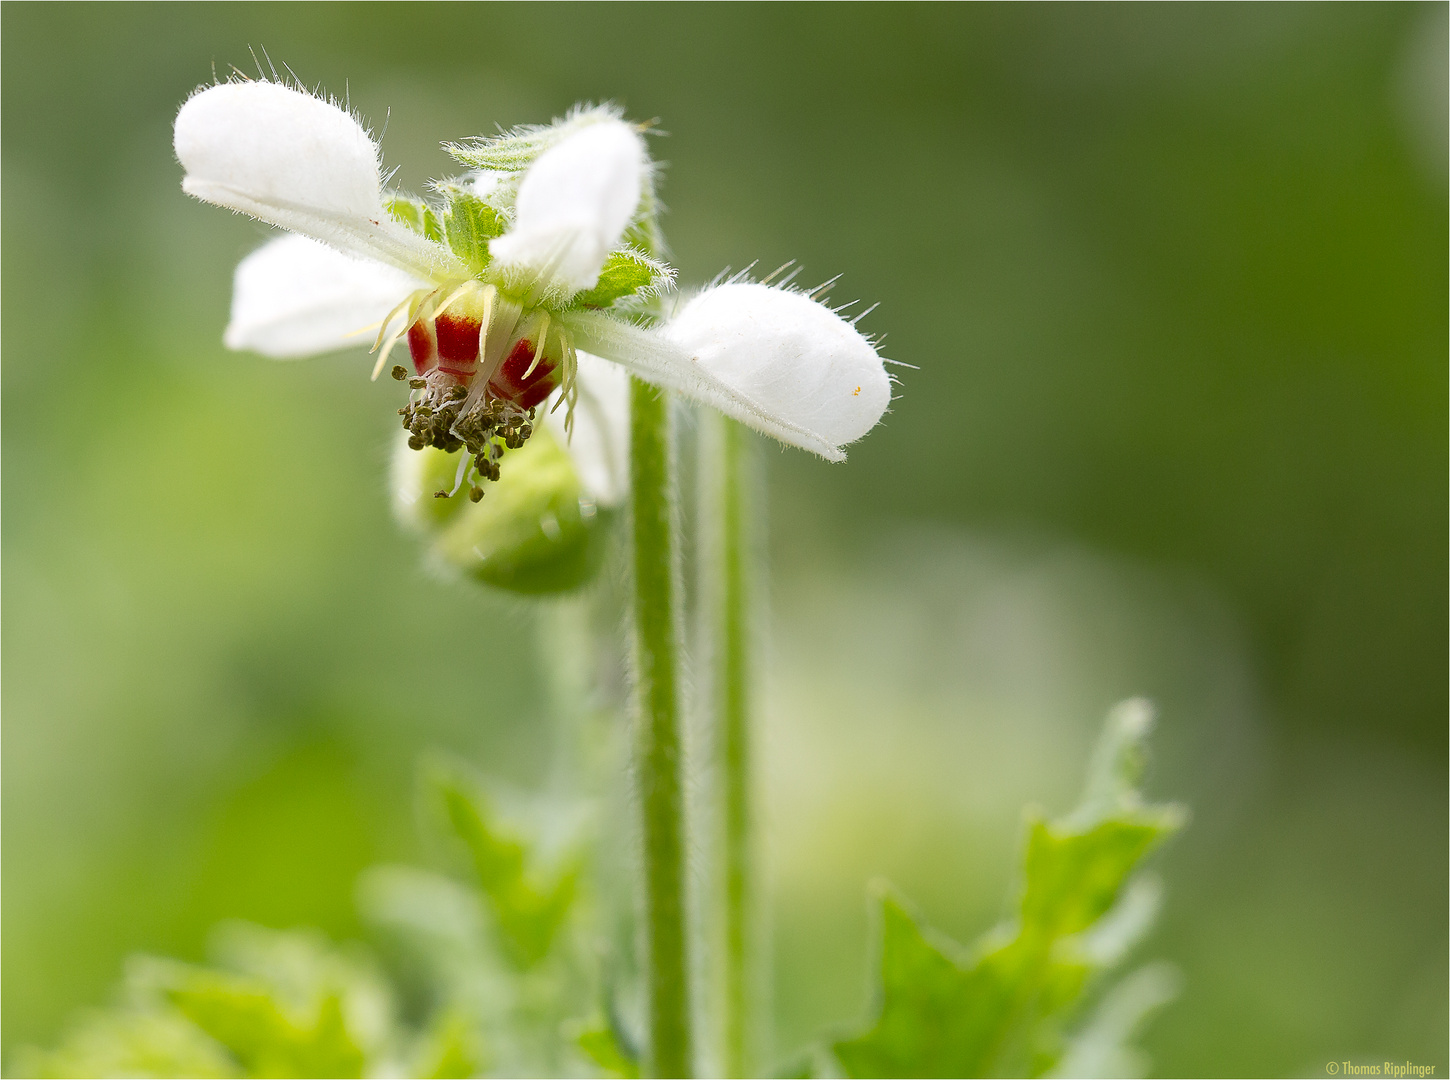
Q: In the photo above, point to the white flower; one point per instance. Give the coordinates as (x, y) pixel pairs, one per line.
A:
(535, 267)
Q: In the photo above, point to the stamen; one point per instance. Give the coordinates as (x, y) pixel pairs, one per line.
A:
(414, 303)
(542, 345)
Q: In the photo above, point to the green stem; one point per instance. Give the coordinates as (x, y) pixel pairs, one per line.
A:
(658, 750)
(732, 690)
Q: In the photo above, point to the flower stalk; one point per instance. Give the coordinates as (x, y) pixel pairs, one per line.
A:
(729, 515)
(658, 748)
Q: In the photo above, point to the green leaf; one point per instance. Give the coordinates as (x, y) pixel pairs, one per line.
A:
(417, 215)
(999, 1009)
(469, 224)
(625, 273)
(603, 1047)
(451, 1047)
(143, 1040)
(266, 1037)
(1104, 1045)
(528, 909)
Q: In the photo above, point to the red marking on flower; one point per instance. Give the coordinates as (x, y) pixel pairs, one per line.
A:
(457, 345)
(421, 345)
(508, 381)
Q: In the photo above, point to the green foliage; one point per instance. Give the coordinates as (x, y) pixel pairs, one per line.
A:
(603, 1046)
(417, 215)
(469, 224)
(1000, 1008)
(276, 1004)
(264, 1037)
(449, 1048)
(130, 1041)
(528, 905)
(625, 273)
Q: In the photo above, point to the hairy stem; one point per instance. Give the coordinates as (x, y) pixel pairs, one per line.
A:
(728, 513)
(658, 751)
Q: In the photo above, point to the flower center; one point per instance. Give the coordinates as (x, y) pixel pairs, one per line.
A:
(483, 365)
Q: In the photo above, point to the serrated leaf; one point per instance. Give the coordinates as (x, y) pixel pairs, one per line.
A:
(1103, 1047)
(527, 910)
(265, 1038)
(417, 215)
(999, 1009)
(625, 273)
(1071, 878)
(469, 224)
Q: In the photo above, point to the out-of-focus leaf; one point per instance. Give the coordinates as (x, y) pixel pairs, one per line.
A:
(999, 1009)
(528, 906)
(451, 1047)
(242, 1015)
(603, 1047)
(277, 1004)
(135, 1041)
(1103, 1048)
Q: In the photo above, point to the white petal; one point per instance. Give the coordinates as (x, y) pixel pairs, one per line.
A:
(299, 162)
(573, 206)
(600, 441)
(795, 358)
(295, 297)
(658, 359)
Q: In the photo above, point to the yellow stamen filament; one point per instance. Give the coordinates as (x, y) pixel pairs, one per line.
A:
(413, 303)
(541, 346)
(488, 294)
(466, 287)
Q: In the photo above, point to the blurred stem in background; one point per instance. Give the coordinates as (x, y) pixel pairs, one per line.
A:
(658, 746)
(728, 525)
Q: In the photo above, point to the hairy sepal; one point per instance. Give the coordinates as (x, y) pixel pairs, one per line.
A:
(626, 273)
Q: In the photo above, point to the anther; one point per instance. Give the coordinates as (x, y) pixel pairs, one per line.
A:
(399, 372)
(475, 493)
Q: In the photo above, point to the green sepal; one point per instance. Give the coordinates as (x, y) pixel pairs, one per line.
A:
(1000, 1008)
(417, 215)
(625, 273)
(528, 905)
(515, 150)
(469, 224)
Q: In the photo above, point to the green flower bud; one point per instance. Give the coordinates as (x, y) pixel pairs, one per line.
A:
(533, 531)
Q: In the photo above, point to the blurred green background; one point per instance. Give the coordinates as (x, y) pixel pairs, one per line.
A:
(1175, 280)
